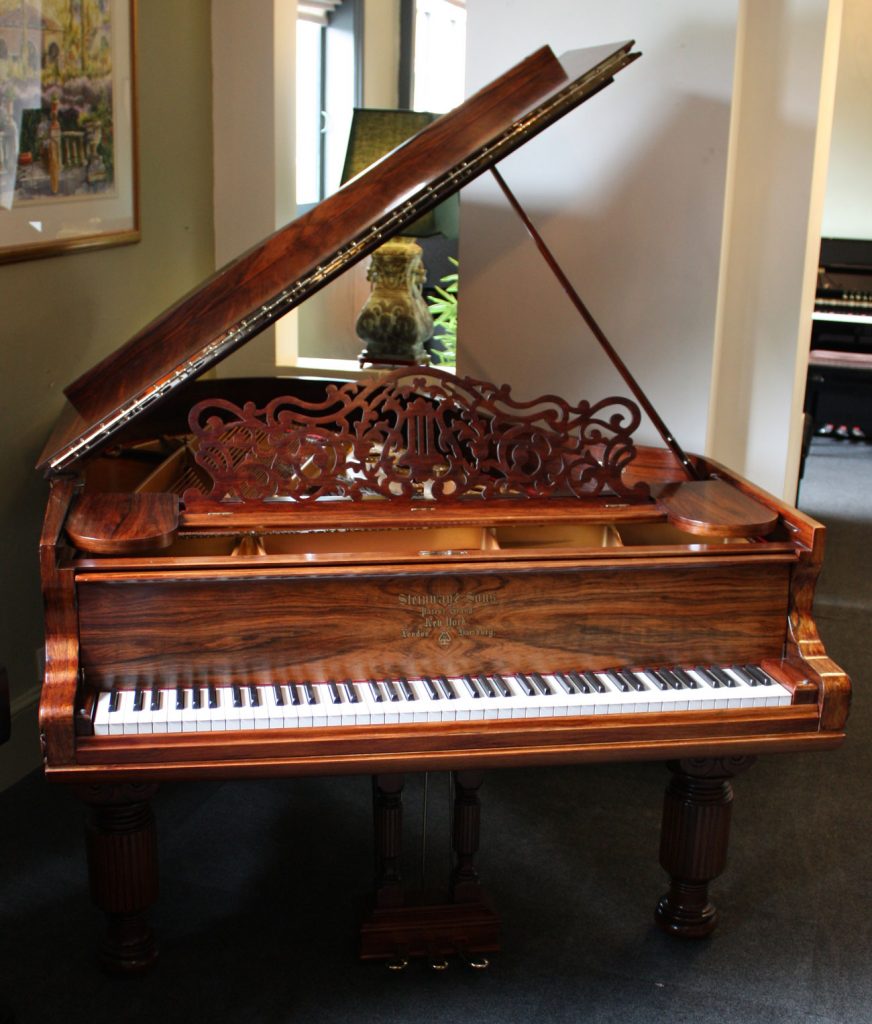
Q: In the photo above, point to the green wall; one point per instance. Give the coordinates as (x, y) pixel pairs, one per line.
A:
(59, 316)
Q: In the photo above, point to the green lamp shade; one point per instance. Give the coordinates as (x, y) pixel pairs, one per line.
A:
(375, 133)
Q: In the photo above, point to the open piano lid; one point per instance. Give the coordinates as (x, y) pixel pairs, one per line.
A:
(263, 284)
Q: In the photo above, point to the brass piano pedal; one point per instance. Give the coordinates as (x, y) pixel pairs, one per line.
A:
(476, 961)
(397, 962)
(437, 962)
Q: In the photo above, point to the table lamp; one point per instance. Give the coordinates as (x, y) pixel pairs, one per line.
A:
(395, 323)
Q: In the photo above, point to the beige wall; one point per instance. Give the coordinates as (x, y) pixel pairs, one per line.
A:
(848, 208)
(629, 191)
(61, 315)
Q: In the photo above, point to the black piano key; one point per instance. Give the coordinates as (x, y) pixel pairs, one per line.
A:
(406, 690)
(196, 698)
(545, 688)
(432, 692)
(447, 687)
(154, 704)
(632, 680)
(564, 683)
(501, 685)
(180, 698)
(665, 676)
(486, 685)
(746, 677)
(237, 695)
(594, 682)
(581, 683)
(138, 698)
(335, 696)
(469, 683)
(279, 696)
(689, 682)
(525, 684)
(114, 698)
(617, 681)
(707, 678)
(724, 678)
(253, 697)
(309, 693)
(759, 675)
(392, 691)
(661, 684)
(212, 693)
(296, 697)
(377, 694)
(350, 691)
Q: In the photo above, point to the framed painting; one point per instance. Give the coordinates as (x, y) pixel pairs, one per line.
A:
(68, 161)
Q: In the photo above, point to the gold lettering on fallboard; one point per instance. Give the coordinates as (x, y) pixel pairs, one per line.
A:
(445, 617)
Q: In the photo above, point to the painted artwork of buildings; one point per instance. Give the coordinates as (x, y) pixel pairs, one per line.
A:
(56, 113)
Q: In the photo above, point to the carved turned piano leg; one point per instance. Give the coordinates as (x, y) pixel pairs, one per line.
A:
(122, 866)
(693, 841)
(387, 803)
(465, 885)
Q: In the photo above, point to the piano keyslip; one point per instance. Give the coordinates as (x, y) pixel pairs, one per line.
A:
(477, 697)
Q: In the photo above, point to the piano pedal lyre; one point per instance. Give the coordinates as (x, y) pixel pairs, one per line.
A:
(434, 927)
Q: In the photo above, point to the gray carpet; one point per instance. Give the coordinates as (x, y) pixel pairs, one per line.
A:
(261, 881)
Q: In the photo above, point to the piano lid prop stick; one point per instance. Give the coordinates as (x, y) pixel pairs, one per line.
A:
(629, 379)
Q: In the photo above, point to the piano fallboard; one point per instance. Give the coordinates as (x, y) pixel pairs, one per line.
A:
(412, 620)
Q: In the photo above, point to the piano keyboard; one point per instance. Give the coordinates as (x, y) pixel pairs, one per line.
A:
(433, 699)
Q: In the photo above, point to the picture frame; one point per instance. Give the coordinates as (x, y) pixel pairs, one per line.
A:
(68, 127)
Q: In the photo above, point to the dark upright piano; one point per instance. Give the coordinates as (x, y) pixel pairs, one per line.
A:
(259, 578)
(838, 397)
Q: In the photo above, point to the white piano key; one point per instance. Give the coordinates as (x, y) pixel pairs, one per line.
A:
(127, 718)
(189, 712)
(376, 707)
(203, 714)
(174, 714)
(160, 717)
(275, 711)
(144, 715)
(102, 715)
(218, 714)
(260, 710)
(231, 714)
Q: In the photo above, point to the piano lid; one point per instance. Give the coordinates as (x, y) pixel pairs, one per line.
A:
(244, 297)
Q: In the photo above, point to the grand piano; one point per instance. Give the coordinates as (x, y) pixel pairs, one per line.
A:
(270, 578)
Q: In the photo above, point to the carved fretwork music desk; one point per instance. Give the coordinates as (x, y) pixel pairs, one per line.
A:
(253, 578)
